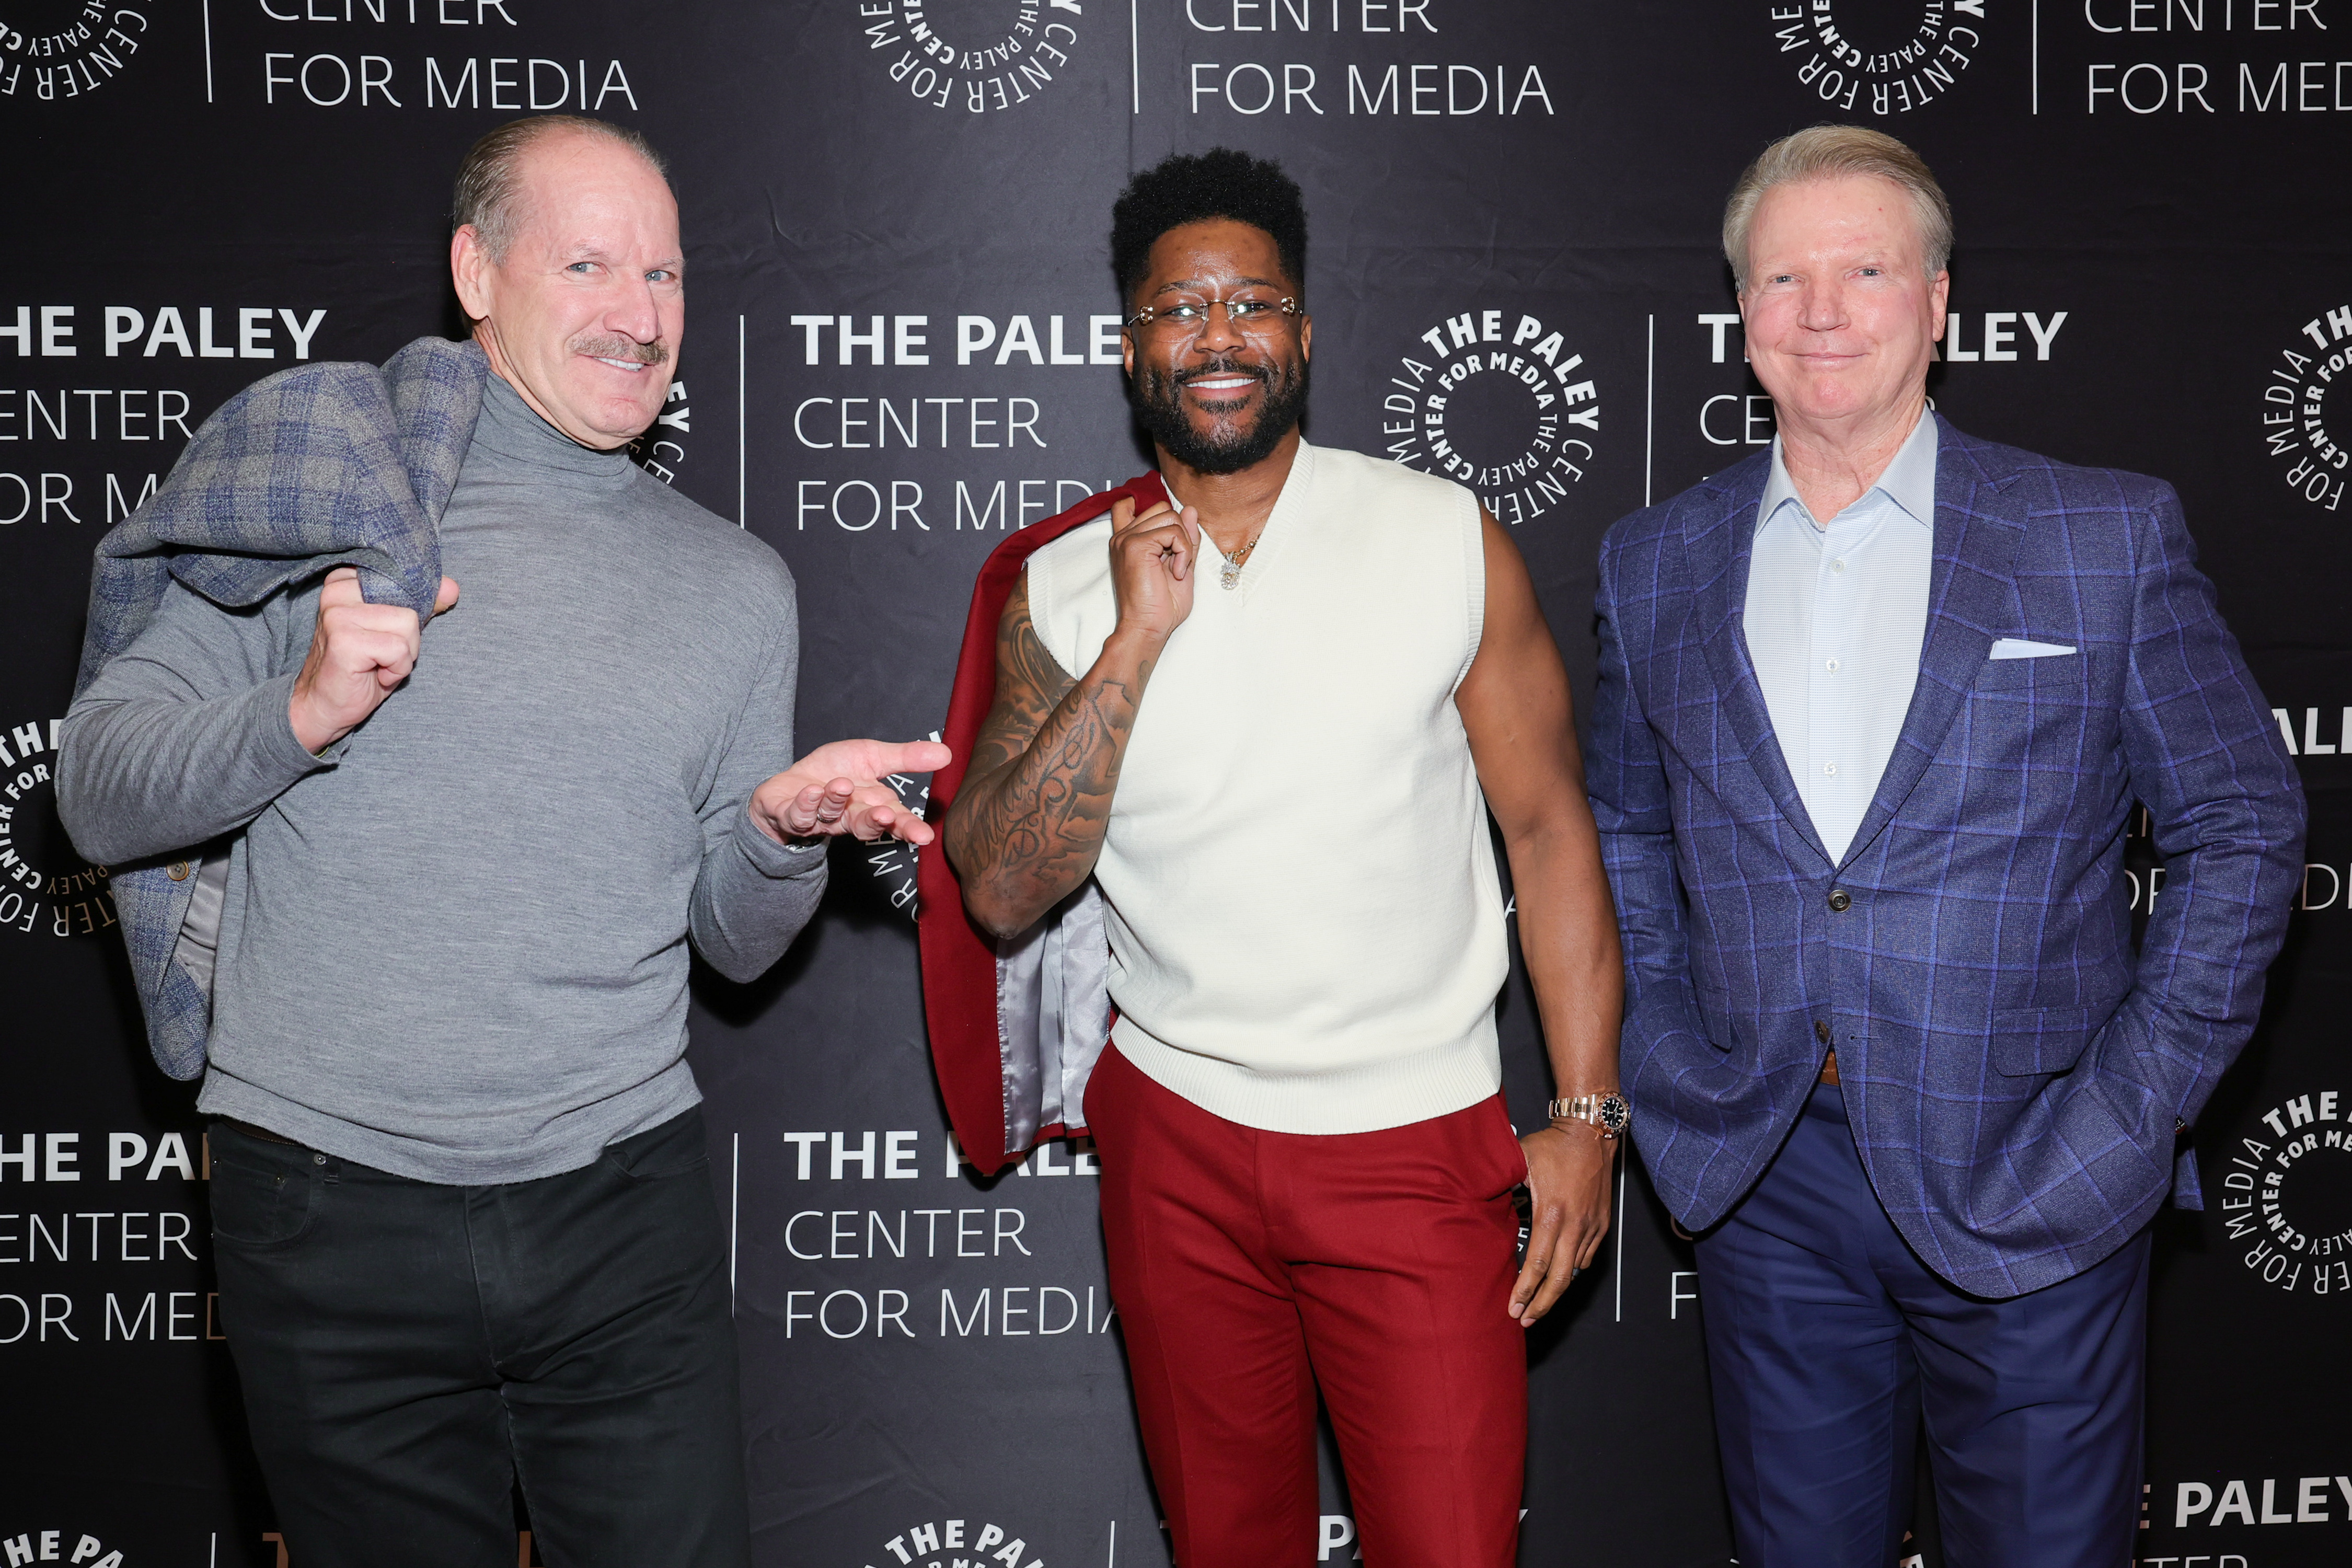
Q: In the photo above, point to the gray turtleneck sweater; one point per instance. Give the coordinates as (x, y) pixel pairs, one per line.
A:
(455, 948)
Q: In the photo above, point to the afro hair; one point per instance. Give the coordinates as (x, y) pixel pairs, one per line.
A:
(1191, 187)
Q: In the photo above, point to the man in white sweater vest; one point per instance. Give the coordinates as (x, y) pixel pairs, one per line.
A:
(1308, 1167)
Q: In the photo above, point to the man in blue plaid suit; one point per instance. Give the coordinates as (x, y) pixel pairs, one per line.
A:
(1873, 710)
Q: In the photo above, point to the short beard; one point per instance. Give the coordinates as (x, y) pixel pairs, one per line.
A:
(1157, 400)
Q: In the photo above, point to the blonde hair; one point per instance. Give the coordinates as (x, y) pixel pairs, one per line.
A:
(1835, 152)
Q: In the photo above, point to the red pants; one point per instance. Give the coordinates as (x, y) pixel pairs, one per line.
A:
(1250, 1267)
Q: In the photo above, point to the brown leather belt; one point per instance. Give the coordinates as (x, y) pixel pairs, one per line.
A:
(263, 1134)
(1829, 1067)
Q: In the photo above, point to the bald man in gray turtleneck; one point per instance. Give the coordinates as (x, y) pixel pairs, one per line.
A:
(455, 946)
(465, 1232)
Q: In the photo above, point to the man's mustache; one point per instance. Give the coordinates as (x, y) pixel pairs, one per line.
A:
(608, 347)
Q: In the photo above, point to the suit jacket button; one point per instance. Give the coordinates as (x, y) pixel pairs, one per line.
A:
(1821, 1030)
(1840, 900)
(178, 871)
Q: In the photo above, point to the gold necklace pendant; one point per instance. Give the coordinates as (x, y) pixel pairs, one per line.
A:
(1230, 576)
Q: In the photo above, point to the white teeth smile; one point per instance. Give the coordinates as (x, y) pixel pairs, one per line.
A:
(1222, 385)
(627, 364)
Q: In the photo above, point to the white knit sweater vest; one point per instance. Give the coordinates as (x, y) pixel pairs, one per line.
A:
(1305, 926)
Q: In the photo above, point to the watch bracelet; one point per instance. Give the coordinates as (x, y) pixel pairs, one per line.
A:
(1565, 1109)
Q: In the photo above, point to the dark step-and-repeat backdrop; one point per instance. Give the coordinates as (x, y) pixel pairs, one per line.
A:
(901, 345)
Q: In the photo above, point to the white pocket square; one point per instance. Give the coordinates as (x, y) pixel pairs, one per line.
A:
(2018, 647)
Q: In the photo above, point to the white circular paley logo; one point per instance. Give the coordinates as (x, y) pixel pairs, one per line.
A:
(1495, 400)
(891, 862)
(1878, 57)
(46, 887)
(2287, 1194)
(957, 1543)
(56, 49)
(972, 55)
(660, 447)
(2295, 409)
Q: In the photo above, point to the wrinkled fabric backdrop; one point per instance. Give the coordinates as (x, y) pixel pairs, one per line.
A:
(901, 345)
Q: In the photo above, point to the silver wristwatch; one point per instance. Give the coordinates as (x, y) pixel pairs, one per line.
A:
(1608, 1113)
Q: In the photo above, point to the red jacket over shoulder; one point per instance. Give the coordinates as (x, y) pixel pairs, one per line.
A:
(986, 1075)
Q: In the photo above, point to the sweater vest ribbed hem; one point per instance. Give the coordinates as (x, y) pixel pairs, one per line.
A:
(1357, 1097)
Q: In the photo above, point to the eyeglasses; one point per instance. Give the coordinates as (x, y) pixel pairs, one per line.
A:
(1188, 318)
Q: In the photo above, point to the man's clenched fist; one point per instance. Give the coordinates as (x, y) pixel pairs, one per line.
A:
(838, 789)
(359, 653)
(1154, 561)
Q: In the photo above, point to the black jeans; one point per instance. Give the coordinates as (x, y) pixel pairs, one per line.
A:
(409, 1350)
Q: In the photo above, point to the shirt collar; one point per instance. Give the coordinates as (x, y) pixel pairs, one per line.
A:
(1909, 480)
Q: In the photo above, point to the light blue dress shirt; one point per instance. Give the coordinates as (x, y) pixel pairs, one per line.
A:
(1834, 619)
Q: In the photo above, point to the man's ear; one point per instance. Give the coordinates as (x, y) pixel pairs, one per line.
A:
(467, 263)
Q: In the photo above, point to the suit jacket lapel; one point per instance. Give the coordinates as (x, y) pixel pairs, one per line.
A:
(1718, 559)
(1971, 594)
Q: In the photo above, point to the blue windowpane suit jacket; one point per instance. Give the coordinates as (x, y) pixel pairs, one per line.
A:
(2014, 1072)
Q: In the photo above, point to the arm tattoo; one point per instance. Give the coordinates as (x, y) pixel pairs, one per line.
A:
(1028, 824)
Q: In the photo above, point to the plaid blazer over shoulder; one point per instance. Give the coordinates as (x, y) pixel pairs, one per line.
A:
(2014, 1072)
(318, 467)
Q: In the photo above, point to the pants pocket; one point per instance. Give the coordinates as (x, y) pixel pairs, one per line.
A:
(1515, 1157)
(262, 1202)
(676, 1148)
(1495, 1155)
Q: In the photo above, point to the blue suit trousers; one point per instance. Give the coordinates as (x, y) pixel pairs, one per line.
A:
(1828, 1340)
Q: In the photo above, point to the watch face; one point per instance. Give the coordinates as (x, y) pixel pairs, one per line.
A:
(1615, 1112)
